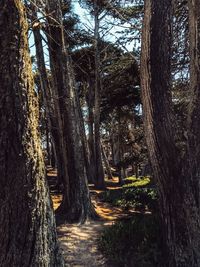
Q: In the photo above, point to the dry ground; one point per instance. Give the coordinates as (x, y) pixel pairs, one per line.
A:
(80, 242)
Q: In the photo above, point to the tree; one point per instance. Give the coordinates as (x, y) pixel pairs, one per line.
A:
(76, 204)
(177, 176)
(99, 173)
(27, 232)
(50, 101)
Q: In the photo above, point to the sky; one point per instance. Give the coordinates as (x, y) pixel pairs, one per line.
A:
(88, 23)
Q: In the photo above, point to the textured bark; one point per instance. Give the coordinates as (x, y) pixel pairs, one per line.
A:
(27, 226)
(99, 173)
(106, 162)
(50, 100)
(90, 104)
(177, 183)
(76, 202)
(48, 150)
(86, 151)
(194, 107)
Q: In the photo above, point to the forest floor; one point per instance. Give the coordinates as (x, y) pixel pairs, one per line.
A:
(80, 242)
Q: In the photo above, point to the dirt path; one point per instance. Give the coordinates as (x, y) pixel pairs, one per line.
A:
(80, 242)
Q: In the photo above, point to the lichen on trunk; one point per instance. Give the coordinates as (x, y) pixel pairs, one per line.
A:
(27, 225)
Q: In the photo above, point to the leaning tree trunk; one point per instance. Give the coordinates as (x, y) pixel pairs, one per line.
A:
(76, 204)
(177, 183)
(27, 226)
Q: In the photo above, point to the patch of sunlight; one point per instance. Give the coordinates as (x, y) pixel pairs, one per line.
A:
(57, 199)
(137, 182)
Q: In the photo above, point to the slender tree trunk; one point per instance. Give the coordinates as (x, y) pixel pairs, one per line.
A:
(48, 150)
(76, 204)
(99, 173)
(177, 182)
(27, 226)
(136, 170)
(85, 145)
(53, 155)
(90, 104)
(106, 162)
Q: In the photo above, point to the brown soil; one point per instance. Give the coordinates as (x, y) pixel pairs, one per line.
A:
(80, 242)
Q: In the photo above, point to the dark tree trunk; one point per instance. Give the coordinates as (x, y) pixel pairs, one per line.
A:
(136, 170)
(90, 104)
(53, 156)
(86, 151)
(48, 150)
(99, 173)
(50, 100)
(76, 204)
(27, 227)
(177, 182)
(106, 162)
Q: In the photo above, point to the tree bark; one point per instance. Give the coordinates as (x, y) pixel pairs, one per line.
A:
(76, 204)
(85, 145)
(90, 104)
(99, 173)
(27, 226)
(106, 162)
(177, 183)
(50, 100)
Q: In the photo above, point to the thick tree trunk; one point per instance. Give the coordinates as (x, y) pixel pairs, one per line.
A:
(27, 226)
(76, 202)
(177, 184)
(50, 100)
(194, 107)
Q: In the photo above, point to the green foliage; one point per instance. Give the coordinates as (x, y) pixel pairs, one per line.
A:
(133, 242)
(136, 182)
(133, 195)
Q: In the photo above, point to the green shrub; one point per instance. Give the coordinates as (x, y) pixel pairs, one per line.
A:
(136, 182)
(132, 197)
(133, 242)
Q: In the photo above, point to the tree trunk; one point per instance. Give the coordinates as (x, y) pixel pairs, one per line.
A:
(76, 204)
(106, 162)
(27, 226)
(99, 173)
(53, 156)
(86, 151)
(50, 100)
(177, 183)
(90, 104)
(48, 150)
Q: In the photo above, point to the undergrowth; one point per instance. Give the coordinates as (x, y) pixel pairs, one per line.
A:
(133, 242)
(136, 193)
